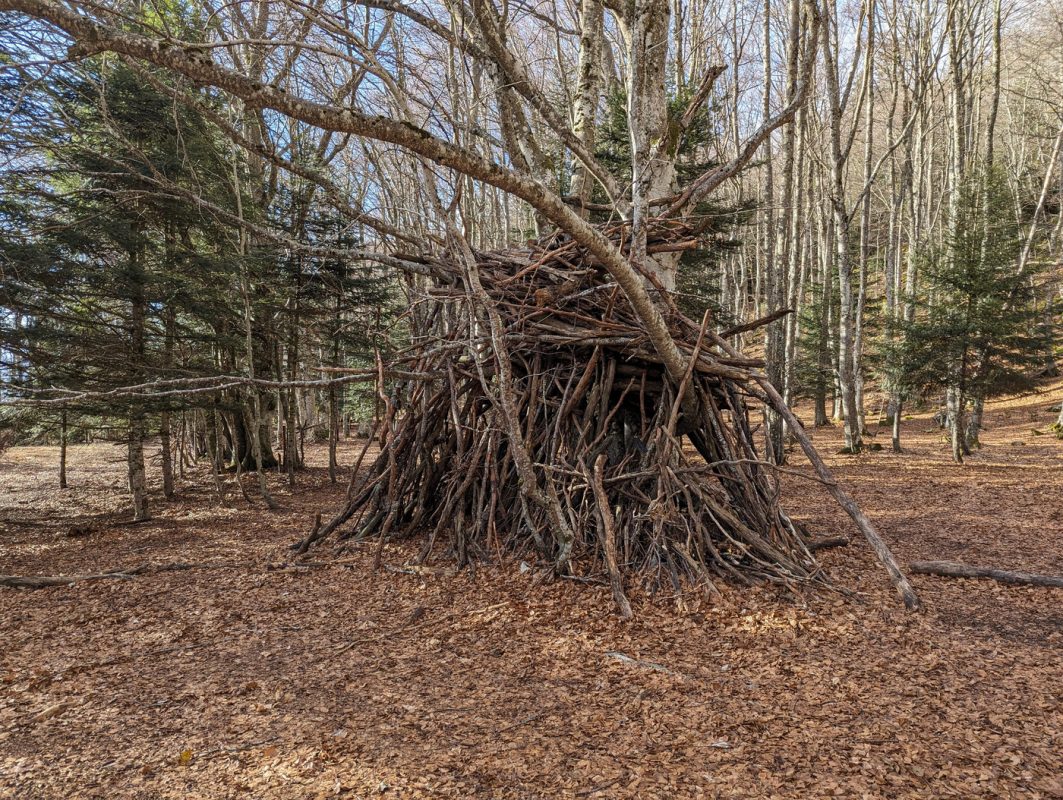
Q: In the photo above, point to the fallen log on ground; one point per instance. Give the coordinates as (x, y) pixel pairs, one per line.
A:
(827, 542)
(44, 581)
(125, 574)
(951, 569)
(120, 574)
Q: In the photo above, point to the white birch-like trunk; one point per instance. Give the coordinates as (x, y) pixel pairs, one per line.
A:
(588, 91)
(843, 254)
(652, 162)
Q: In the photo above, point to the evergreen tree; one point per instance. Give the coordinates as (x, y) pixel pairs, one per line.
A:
(817, 355)
(119, 266)
(977, 331)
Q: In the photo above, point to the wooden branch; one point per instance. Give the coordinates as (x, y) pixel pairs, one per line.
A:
(45, 581)
(182, 387)
(180, 57)
(701, 95)
(639, 662)
(882, 551)
(757, 323)
(826, 542)
(605, 512)
(951, 569)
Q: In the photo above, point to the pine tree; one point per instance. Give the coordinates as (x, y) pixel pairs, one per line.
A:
(117, 229)
(978, 328)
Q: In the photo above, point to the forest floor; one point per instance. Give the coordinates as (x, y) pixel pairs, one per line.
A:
(246, 680)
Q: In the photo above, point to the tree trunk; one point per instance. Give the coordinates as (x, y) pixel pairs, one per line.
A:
(974, 425)
(954, 405)
(240, 427)
(846, 331)
(167, 455)
(138, 486)
(865, 217)
(588, 91)
(652, 160)
(823, 360)
(62, 449)
(898, 407)
(292, 460)
(217, 457)
(251, 419)
(333, 432)
(774, 257)
(138, 306)
(843, 255)
(335, 393)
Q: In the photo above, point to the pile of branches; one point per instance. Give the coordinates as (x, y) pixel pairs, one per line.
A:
(535, 416)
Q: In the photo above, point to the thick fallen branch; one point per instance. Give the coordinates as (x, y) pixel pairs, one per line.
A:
(121, 574)
(950, 569)
(44, 581)
(827, 542)
(638, 662)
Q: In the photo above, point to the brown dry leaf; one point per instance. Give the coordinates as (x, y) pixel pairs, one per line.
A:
(53, 710)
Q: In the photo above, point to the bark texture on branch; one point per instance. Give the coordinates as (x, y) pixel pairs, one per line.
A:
(952, 569)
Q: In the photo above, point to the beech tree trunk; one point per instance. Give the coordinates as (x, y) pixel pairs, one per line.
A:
(588, 91)
(823, 357)
(652, 157)
(839, 152)
(774, 254)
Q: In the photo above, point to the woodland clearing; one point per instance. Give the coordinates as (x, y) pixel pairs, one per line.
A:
(255, 680)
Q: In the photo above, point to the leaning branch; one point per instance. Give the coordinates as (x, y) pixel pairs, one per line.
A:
(182, 57)
(845, 500)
